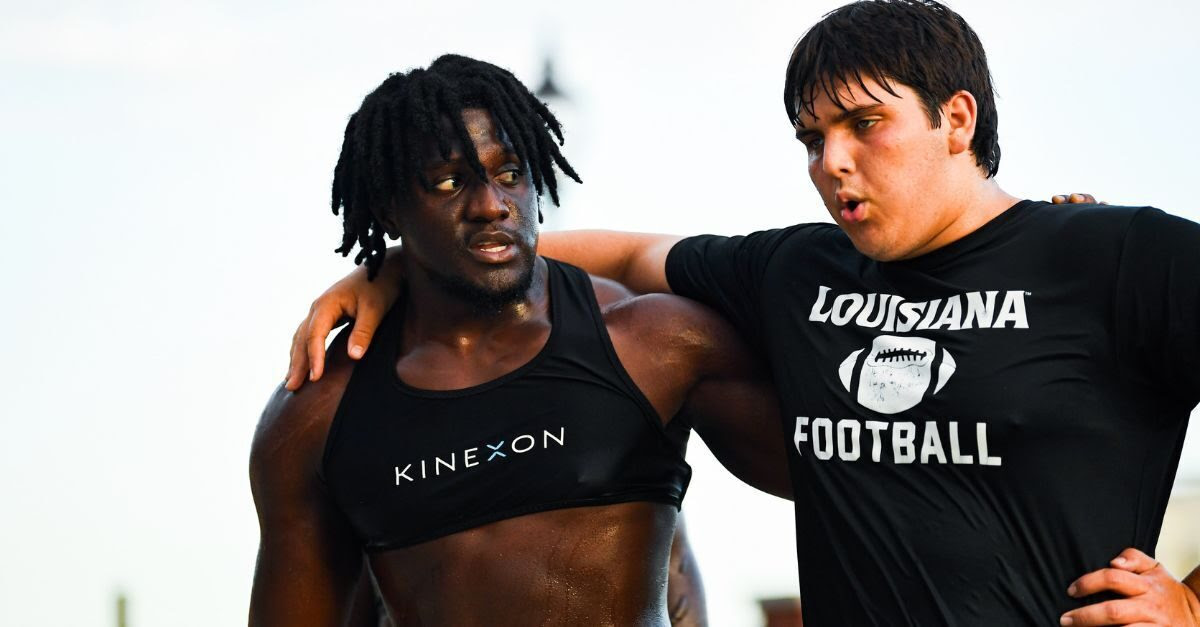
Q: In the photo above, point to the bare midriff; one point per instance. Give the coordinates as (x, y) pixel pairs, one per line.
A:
(594, 566)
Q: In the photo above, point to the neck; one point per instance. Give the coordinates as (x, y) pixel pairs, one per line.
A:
(437, 314)
(969, 206)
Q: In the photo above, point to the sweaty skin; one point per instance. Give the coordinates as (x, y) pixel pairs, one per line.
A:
(899, 188)
(599, 565)
(555, 566)
(635, 260)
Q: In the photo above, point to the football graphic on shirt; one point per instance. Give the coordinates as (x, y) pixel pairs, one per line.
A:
(896, 372)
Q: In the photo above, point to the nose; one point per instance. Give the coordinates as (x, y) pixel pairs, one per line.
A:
(490, 204)
(836, 160)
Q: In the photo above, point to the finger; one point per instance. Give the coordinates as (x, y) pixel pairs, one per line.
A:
(365, 324)
(1119, 612)
(297, 359)
(1081, 198)
(1109, 579)
(321, 322)
(1058, 199)
(1134, 561)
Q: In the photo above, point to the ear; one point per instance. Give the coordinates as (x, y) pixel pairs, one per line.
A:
(389, 221)
(959, 113)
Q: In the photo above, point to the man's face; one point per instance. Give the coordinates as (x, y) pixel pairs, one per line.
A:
(877, 165)
(475, 237)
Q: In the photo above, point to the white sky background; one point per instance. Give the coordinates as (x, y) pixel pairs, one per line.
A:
(165, 170)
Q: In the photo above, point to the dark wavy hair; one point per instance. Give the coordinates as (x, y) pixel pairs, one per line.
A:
(918, 43)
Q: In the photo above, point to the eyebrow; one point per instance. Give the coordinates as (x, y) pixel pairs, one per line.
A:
(842, 116)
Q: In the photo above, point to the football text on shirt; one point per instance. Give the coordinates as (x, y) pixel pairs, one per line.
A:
(892, 313)
(906, 442)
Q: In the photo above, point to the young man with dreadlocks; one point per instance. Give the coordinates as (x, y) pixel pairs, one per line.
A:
(986, 396)
(510, 451)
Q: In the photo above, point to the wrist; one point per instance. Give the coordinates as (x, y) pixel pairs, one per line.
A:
(1191, 588)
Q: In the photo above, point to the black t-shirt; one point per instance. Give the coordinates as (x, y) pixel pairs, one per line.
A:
(975, 428)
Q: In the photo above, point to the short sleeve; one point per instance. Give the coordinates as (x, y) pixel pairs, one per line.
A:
(1157, 312)
(727, 274)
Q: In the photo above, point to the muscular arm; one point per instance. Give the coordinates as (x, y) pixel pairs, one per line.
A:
(734, 407)
(692, 365)
(739, 422)
(308, 559)
(637, 260)
(685, 590)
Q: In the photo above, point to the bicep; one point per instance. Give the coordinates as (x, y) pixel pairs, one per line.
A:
(738, 419)
(308, 557)
(306, 571)
(727, 274)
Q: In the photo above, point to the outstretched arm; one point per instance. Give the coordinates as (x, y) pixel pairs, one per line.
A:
(637, 260)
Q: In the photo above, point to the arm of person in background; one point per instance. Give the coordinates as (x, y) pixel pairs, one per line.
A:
(309, 561)
(638, 260)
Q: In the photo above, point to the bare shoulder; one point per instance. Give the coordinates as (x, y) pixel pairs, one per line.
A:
(671, 323)
(668, 313)
(291, 432)
(620, 303)
(609, 291)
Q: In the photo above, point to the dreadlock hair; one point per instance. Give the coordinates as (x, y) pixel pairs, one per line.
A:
(919, 43)
(382, 146)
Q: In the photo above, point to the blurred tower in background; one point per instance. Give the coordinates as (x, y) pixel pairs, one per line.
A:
(562, 106)
(549, 90)
(121, 610)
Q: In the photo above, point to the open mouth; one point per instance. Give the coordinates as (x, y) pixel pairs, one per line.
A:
(493, 247)
(853, 211)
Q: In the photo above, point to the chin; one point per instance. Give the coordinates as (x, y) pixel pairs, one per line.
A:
(492, 291)
(879, 251)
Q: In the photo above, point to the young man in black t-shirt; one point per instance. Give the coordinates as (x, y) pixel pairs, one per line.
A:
(986, 397)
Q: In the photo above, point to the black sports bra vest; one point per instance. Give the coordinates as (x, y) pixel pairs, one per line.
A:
(567, 429)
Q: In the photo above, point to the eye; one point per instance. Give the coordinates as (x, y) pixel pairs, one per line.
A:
(510, 178)
(448, 184)
(813, 143)
(865, 123)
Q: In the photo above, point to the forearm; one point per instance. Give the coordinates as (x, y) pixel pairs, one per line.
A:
(637, 260)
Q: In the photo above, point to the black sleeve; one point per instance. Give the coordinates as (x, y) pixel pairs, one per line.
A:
(1157, 310)
(726, 273)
